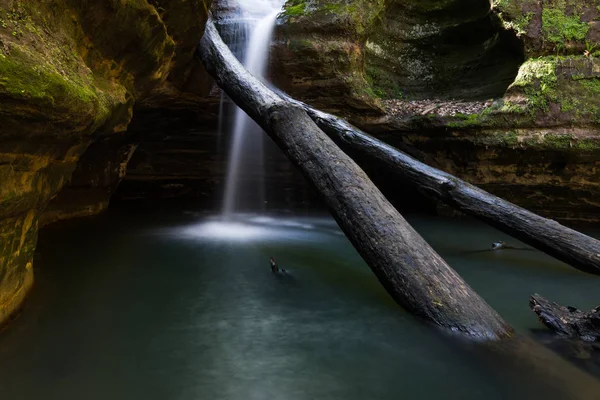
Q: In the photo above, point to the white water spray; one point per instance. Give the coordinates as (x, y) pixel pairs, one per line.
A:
(247, 136)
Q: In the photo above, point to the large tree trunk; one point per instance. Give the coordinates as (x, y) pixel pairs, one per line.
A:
(572, 247)
(409, 269)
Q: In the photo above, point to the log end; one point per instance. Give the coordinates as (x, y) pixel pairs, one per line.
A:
(567, 321)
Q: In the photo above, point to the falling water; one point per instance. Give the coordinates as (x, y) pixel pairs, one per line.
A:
(221, 124)
(247, 136)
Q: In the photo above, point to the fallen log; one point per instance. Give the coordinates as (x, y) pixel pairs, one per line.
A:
(410, 270)
(567, 321)
(565, 244)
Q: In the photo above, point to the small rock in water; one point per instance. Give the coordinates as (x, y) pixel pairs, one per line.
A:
(280, 272)
(498, 245)
(274, 266)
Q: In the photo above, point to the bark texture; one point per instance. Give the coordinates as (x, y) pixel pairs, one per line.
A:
(409, 269)
(572, 247)
(568, 321)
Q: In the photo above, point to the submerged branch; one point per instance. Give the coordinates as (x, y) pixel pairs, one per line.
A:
(567, 321)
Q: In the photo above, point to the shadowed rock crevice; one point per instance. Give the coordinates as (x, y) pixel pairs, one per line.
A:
(394, 49)
(456, 50)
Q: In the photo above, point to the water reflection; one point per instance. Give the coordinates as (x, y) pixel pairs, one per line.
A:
(257, 228)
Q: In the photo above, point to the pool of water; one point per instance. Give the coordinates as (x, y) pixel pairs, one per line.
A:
(183, 306)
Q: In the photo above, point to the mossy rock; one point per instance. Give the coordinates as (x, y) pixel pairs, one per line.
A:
(415, 49)
(319, 54)
(35, 89)
(559, 90)
(67, 66)
(557, 27)
(354, 18)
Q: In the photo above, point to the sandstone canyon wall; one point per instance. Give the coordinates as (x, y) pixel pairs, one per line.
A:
(70, 74)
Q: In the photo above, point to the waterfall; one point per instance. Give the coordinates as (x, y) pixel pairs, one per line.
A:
(251, 45)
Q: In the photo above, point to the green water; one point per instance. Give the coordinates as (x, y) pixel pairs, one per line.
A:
(162, 307)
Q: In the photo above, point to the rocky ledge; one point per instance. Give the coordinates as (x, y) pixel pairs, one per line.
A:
(506, 97)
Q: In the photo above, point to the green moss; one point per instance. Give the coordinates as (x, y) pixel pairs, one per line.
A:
(43, 86)
(592, 85)
(511, 108)
(29, 80)
(360, 14)
(503, 4)
(337, 7)
(519, 24)
(383, 84)
(538, 81)
(502, 115)
(561, 142)
(363, 13)
(510, 139)
(15, 19)
(295, 11)
(583, 99)
(300, 44)
(295, 8)
(547, 142)
(466, 121)
(557, 142)
(511, 15)
(588, 144)
(565, 24)
(576, 94)
(559, 28)
(485, 118)
(569, 142)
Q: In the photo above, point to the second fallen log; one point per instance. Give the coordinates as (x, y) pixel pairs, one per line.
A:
(565, 244)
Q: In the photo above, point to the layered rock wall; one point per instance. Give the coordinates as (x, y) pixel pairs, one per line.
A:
(537, 143)
(346, 55)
